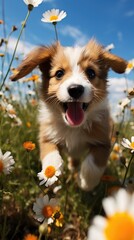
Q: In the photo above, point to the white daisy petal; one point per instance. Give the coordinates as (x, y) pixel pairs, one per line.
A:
(6, 162)
(35, 3)
(109, 206)
(131, 206)
(122, 199)
(95, 234)
(99, 222)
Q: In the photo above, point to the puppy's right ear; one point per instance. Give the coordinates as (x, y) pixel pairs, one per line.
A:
(33, 59)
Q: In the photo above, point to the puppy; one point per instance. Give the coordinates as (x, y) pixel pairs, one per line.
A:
(74, 112)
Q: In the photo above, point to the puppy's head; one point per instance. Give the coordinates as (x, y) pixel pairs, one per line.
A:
(74, 80)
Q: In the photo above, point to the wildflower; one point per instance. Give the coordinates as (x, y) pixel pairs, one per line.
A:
(6, 162)
(127, 144)
(124, 103)
(30, 237)
(117, 148)
(114, 156)
(28, 124)
(34, 3)
(44, 208)
(2, 54)
(109, 47)
(108, 178)
(31, 93)
(50, 172)
(33, 78)
(11, 111)
(58, 218)
(14, 28)
(131, 93)
(29, 146)
(54, 15)
(119, 223)
(130, 66)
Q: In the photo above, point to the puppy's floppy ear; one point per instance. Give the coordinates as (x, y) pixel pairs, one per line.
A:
(34, 58)
(116, 63)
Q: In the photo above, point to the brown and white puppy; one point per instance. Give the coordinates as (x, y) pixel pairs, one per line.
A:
(74, 111)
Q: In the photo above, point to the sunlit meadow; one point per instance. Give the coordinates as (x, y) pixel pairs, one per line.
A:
(53, 207)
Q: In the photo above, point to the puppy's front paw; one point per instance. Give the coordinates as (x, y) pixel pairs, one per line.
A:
(90, 174)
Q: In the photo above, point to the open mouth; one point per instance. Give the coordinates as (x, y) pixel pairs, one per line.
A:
(74, 112)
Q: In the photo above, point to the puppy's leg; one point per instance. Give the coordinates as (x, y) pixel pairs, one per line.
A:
(93, 167)
(49, 151)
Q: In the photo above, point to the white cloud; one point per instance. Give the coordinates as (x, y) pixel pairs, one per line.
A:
(23, 47)
(79, 38)
(129, 13)
(120, 36)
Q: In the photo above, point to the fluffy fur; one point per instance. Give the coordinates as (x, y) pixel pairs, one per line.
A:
(74, 112)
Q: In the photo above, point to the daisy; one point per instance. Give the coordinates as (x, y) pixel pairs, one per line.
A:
(127, 144)
(10, 111)
(119, 223)
(6, 162)
(50, 172)
(54, 15)
(130, 66)
(45, 208)
(34, 3)
(124, 103)
(109, 47)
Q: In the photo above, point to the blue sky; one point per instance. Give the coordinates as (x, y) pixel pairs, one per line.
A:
(108, 21)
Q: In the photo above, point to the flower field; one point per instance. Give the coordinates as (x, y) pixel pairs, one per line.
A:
(48, 204)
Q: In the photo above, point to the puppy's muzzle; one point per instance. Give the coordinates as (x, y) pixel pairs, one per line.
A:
(75, 91)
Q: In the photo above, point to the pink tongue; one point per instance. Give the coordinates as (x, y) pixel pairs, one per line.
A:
(74, 113)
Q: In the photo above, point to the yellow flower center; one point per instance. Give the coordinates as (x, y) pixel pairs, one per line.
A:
(47, 211)
(1, 166)
(50, 171)
(53, 18)
(132, 145)
(130, 65)
(120, 227)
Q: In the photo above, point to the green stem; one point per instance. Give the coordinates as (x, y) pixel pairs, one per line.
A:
(23, 26)
(123, 183)
(56, 33)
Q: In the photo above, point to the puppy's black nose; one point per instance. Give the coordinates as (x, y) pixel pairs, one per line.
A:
(75, 91)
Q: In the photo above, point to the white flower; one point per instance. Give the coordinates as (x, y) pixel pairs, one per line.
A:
(6, 162)
(53, 16)
(119, 224)
(109, 47)
(127, 144)
(45, 208)
(50, 172)
(124, 102)
(34, 3)
(10, 110)
(130, 66)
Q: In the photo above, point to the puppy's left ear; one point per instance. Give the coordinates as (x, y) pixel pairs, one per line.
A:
(116, 63)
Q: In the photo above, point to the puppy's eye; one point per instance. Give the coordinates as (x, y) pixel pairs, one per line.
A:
(59, 74)
(90, 73)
